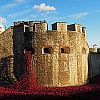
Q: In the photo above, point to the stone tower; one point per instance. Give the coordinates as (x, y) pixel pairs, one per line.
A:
(60, 55)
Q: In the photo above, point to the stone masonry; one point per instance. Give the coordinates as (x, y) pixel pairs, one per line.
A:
(94, 61)
(59, 56)
(6, 55)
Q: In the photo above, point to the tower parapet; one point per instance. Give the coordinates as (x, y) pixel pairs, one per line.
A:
(19, 23)
(59, 26)
(37, 26)
(84, 30)
(76, 28)
(41, 27)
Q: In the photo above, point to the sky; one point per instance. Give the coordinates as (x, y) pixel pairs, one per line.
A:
(84, 12)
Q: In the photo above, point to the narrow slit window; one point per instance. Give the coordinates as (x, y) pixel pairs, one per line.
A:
(65, 50)
(47, 50)
(62, 50)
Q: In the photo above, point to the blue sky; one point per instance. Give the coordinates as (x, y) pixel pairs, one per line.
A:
(84, 12)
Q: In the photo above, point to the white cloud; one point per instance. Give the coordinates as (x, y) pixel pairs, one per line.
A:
(69, 17)
(2, 20)
(43, 7)
(12, 4)
(18, 14)
(78, 15)
(19, 0)
(9, 5)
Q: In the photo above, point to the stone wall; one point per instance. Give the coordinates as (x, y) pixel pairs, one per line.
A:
(94, 63)
(60, 56)
(6, 56)
(66, 60)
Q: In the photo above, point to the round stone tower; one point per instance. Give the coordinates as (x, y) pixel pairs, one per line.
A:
(60, 55)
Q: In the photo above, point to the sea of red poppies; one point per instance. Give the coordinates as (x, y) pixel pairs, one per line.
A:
(17, 89)
(29, 86)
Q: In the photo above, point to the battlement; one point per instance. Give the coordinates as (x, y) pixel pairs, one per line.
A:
(30, 26)
(83, 29)
(19, 23)
(60, 26)
(42, 26)
(76, 28)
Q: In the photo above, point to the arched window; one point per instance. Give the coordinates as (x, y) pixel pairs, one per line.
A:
(65, 50)
(47, 50)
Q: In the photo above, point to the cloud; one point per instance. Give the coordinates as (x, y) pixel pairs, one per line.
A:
(19, 0)
(9, 5)
(12, 4)
(78, 15)
(68, 17)
(19, 14)
(43, 7)
(2, 20)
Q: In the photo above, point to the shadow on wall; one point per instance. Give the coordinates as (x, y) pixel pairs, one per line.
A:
(93, 65)
(6, 71)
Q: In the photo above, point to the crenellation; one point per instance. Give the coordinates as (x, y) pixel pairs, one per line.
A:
(59, 26)
(71, 27)
(41, 27)
(78, 28)
(74, 27)
(84, 30)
